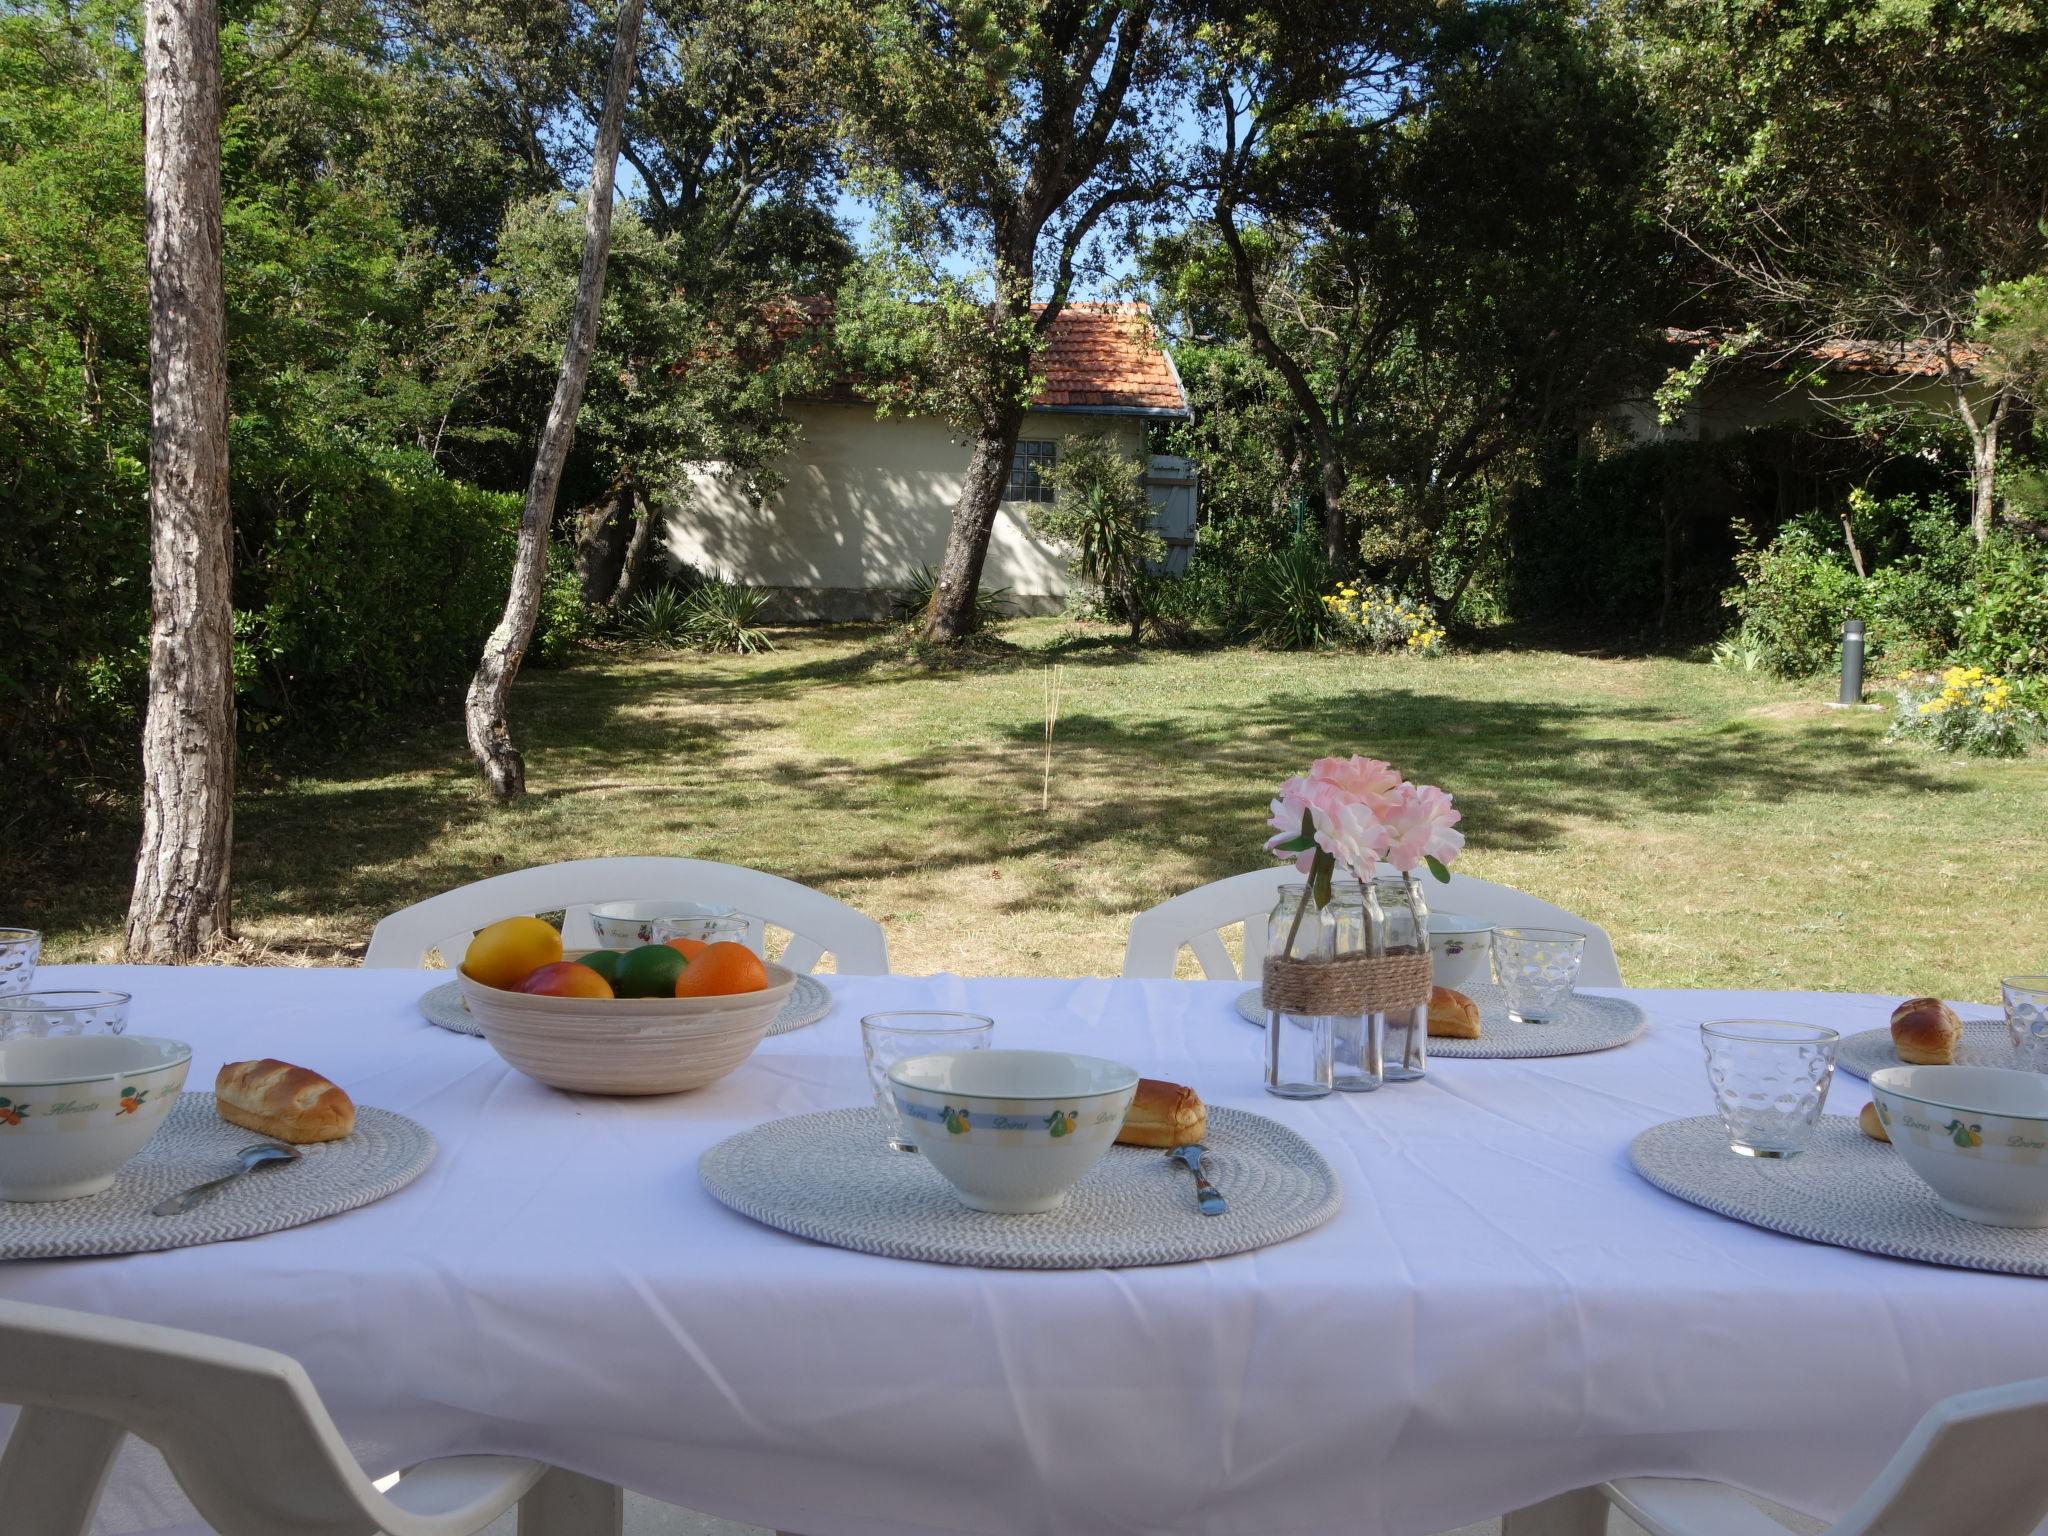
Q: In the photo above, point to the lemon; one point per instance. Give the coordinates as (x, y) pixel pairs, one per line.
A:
(510, 950)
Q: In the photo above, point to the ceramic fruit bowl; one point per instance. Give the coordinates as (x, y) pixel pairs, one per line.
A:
(75, 1108)
(625, 924)
(1978, 1135)
(1458, 948)
(625, 1045)
(1013, 1131)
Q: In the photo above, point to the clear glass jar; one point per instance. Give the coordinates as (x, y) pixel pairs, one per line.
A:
(1307, 1055)
(1399, 920)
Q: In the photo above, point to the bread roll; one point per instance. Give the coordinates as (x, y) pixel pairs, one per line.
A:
(1873, 1127)
(1926, 1032)
(277, 1099)
(1163, 1115)
(1453, 1015)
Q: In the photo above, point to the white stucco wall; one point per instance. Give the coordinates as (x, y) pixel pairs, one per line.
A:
(865, 502)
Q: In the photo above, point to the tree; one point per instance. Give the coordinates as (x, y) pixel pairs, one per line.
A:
(1436, 255)
(1013, 129)
(181, 895)
(1849, 174)
(490, 740)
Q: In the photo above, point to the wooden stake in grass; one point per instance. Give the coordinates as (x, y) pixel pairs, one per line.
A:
(1053, 681)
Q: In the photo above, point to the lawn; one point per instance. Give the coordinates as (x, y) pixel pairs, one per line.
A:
(1727, 830)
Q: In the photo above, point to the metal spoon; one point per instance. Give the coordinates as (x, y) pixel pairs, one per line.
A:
(249, 1158)
(1207, 1195)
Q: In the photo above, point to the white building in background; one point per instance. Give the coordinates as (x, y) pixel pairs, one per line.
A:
(867, 500)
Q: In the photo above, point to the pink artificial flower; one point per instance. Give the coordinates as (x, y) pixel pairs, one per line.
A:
(1419, 821)
(1344, 800)
(1288, 808)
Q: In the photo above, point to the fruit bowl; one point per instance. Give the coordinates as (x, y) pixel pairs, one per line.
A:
(625, 1045)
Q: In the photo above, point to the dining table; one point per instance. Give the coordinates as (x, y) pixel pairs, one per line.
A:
(1501, 1310)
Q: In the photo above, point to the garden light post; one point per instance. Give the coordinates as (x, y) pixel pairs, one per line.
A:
(1852, 663)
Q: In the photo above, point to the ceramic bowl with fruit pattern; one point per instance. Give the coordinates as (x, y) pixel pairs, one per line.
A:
(1978, 1135)
(75, 1108)
(1013, 1131)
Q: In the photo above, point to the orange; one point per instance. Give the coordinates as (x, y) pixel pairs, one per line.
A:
(723, 969)
(566, 978)
(689, 948)
(509, 951)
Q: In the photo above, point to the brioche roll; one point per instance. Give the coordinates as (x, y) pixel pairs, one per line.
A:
(279, 1100)
(1164, 1115)
(1926, 1032)
(1872, 1126)
(1452, 1014)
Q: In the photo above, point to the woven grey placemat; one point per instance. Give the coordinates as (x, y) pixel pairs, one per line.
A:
(1986, 1043)
(830, 1177)
(1588, 1023)
(808, 1002)
(1844, 1189)
(385, 1152)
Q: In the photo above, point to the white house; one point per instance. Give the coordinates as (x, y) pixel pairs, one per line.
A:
(866, 499)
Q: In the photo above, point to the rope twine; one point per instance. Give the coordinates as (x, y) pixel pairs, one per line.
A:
(1348, 985)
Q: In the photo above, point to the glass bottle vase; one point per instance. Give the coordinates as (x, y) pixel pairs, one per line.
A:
(1399, 920)
(1309, 1055)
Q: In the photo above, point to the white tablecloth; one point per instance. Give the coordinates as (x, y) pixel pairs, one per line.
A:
(1501, 1311)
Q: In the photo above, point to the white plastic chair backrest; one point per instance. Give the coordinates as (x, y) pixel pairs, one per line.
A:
(818, 925)
(1976, 1465)
(1197, 920)
(241, 1428)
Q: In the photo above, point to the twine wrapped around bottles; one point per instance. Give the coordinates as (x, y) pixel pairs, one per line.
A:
(1348, 985)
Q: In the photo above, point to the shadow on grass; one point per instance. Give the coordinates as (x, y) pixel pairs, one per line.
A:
(391, 826)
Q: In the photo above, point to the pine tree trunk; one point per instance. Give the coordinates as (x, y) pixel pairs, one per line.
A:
(180, 900)
(639, 550)
(490, 738)
(602, 533)
(951, 615)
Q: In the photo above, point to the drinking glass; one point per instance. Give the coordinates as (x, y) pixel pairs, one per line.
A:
(706, 930)
(1770, 1079)
(32, 1015)
(2026, 1020)
(1536, 967)
(19, 949)
(887, 1038)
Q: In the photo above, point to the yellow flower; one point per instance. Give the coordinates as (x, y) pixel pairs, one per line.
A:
(1934, 706)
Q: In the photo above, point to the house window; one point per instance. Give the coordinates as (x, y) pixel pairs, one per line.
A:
(1028, 464)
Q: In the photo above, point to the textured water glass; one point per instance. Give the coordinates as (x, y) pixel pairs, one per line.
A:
(19, 950)
(31, 1015)
(2026, 1020)
(1535, 968)
(706, 930)
(887, 1038)
(1770, 1081)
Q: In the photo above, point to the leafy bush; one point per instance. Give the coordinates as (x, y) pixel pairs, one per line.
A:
(1284, 599)
(1103, 515)
(909, 606)
(1377, 619)
(1961, 709)
(1794, 595)
(565, 620)
(719, 616)
(2006, 626)
(372, 584)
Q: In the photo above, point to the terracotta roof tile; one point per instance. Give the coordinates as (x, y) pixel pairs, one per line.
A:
(1098, 357)
(1911, 358)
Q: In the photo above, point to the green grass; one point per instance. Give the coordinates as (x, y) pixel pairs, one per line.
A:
(1726, 830)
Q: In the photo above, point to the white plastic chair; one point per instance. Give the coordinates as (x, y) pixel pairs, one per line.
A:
(817, 924)
(1972, 1467)
(1196, 920)
(245, 1435)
